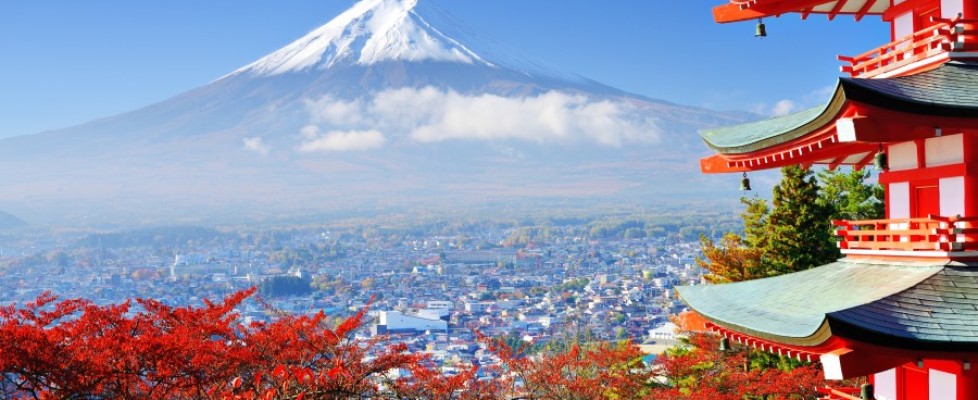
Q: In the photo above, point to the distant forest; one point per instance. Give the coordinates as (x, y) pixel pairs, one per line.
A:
(305, 244)
(684, 225)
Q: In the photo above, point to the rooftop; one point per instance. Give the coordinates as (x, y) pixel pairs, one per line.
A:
(909, 304)
(829, 134)
(949, 90)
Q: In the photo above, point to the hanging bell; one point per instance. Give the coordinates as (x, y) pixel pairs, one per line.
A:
(724, 344)
(880, 161)
(760, 30)
(745, 183)
(866, 391)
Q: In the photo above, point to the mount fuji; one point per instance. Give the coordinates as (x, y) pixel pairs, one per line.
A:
(391, 105)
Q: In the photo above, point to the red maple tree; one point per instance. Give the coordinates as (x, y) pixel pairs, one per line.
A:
(144, 349)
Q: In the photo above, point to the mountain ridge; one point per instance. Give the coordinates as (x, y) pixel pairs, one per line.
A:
(9, 221)
(371, 31)
(328, 135)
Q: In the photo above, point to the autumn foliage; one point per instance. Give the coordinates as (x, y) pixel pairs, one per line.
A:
(730, 260)
(702, 372)
(143, 349)
(75, 349)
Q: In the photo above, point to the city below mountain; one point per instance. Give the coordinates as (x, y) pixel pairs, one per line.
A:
(391, 105)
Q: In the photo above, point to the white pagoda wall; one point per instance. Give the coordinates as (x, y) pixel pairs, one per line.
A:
(935, 152)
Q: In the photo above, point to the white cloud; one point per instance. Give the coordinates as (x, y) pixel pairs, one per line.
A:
(432, 115)
(820, 95)
(343, 141)
(256, 145)
(327, 110)
(781, 108)
(309, 132)
(784, 107)
(787, 106)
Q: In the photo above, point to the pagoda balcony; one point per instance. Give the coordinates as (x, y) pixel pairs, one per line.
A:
(945, 40)
(934, 236)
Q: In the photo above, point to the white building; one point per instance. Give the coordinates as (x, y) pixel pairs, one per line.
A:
(664, 332)
(440, 304)
(398, 322)
(477, 307)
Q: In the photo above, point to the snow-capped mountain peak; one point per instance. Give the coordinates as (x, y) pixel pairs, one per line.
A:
(370, 32)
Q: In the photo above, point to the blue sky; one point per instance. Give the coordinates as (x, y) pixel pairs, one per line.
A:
(68, 62)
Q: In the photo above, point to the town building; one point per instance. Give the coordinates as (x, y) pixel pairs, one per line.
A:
(901, 307)
(396, 322)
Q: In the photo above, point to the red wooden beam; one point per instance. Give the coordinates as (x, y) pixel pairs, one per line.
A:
(836, 163)
(767, 345)
(733, 12)
(941, 171)
(909, 5)
(806, 12)
(864, 9)
(862, 163)
(838, 7)
(719, 164)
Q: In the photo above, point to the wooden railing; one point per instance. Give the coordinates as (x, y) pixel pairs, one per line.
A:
(947, 36)
(839, 393)
(934, 233)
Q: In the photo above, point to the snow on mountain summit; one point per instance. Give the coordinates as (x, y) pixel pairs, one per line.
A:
(370, 32)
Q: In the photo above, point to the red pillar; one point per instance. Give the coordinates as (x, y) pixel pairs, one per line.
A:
(970, 8)
(970, 144)
(968, 386)
(968, 383)
(915, 383)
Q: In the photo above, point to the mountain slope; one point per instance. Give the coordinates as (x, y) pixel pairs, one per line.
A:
(378, 108)
(8, 221)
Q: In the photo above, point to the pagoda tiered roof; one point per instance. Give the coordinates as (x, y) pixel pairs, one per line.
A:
(910, 305)
(848, 129)
(902, 307)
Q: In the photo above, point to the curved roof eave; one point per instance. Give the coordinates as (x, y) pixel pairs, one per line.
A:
(793, 309)
(946, 91)
(754, 136)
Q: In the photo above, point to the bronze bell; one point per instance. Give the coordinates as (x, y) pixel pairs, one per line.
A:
(724, 344)
(866, 391)
(880, 161)
(745, 183)
(760, 30)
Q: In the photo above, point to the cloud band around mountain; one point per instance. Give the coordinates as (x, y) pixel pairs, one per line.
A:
(340, 140)
(431, 115)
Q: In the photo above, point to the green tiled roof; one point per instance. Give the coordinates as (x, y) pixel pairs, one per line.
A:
(942, 308)
(949, 90)
(743, 136)
(793, 308)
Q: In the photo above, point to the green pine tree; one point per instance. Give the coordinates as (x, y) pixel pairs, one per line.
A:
(799, 230)
(755, 222)
(849, 196)
(794, 231)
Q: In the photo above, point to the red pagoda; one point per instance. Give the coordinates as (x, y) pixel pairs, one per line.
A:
(901, 307)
